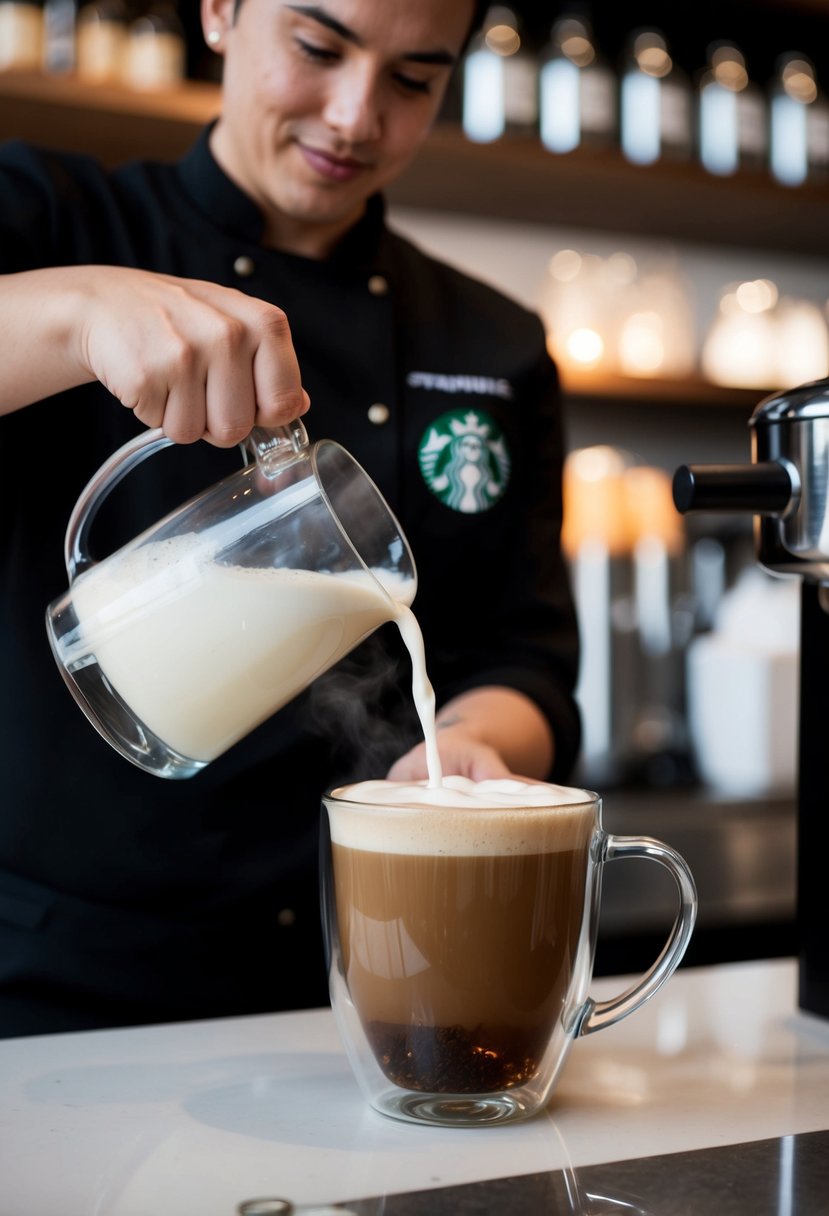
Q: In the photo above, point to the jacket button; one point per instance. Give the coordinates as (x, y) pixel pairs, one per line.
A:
(286, 917)
(378, 413)
(377, 285)
(244, 266)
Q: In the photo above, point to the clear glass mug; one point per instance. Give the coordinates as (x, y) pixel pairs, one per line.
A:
(194, 633)
(461, 943)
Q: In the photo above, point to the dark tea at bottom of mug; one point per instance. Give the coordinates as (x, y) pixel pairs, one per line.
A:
(460, 928)
(459, 966)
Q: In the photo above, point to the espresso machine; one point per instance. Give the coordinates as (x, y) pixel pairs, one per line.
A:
(786, 490)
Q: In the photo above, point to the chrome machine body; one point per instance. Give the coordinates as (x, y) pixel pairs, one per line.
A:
(786, 489)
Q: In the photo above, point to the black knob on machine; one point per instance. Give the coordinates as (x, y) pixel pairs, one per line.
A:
(760, 489)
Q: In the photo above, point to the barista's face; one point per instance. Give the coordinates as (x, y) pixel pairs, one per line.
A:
(325, 103)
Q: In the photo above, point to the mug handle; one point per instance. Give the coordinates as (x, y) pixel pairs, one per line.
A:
(596, 1015)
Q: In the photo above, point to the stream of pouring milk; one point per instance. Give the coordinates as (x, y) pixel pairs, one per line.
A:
(422, 691)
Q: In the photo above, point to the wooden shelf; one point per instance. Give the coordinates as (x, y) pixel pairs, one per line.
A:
(112, 123)
(518, 179)
(630, 390)
(515, 179)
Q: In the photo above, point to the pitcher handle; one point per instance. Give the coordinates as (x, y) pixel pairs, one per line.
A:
(270, 448)
(75, 550)
(596, 1015)
(273, 447)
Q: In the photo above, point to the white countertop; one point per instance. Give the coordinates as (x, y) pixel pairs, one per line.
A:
(191, 1119)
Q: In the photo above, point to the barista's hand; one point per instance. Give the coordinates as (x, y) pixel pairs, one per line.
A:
(483, 734)
(460, 755)
(198, 360)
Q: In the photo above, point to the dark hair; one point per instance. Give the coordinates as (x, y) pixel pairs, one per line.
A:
(481, 8)
(478, 15)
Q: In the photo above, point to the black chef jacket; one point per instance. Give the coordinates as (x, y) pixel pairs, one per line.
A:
(125, 898)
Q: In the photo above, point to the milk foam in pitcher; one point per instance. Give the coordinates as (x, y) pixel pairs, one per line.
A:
(198, 630)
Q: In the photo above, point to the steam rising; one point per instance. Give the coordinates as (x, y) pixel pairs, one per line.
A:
(363, 707)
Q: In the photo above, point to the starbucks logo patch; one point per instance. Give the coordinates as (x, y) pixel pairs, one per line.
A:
(464, 460)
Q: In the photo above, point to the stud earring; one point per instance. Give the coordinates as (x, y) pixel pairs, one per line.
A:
(214, 37)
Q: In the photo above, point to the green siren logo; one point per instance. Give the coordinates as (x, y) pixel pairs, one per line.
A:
(464, 460)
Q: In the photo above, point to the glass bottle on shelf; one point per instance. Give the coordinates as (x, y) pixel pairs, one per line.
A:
(100, 42)
(156, 51)
(732, 115)
(577, 88)
(753, 126)
(21, 35)
(500, 81)
(59, 17)
(794, 93)
(656, 111)
(817, 135)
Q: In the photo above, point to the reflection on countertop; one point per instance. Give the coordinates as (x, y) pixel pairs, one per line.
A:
(705, 1100)
(777, 1177)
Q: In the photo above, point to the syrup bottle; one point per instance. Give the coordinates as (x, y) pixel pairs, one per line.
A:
(577, 88)
(500, 81)
(101, 38)
(792, 89)
(21, 35)
(156, 53)
(59, 17)
(817, 136)
(656, 112)
(732, 114)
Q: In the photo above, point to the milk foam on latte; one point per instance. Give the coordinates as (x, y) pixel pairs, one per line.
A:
(506, 816)
(463, 791)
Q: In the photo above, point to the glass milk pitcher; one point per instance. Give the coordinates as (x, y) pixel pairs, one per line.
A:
(196, 631)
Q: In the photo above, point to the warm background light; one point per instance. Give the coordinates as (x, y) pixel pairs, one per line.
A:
(642, 344)
(584, 346)
(759, 339)
(610, 499)
(614, 315)
(594, 500)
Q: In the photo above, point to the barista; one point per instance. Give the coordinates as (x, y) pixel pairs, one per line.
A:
(234, 287)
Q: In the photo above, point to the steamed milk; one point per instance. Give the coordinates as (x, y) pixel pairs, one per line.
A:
(460, 912)
(203, 652)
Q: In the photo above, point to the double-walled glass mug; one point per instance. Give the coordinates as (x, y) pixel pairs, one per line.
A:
(180, 643)
(461, 940)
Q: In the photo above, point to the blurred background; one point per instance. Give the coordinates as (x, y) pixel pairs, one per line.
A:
(652, 178)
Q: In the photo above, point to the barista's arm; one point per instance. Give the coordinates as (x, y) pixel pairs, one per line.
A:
(190, 356)
(485, 733)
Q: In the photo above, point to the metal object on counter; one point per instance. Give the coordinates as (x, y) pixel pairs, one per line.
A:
(265, 1207)
(284, 1207)
(786, 489)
